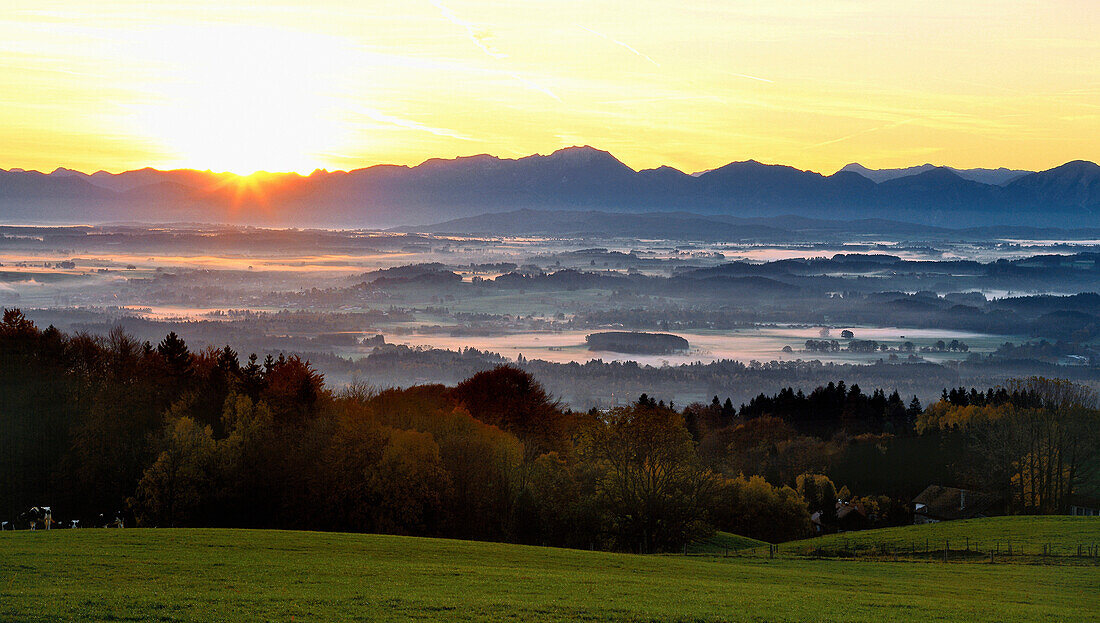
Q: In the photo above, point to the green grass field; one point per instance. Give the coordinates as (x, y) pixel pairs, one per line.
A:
(723, 542)
(252, 575)
(1028, 535)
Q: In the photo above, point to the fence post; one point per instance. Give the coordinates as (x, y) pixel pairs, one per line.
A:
(946, 546)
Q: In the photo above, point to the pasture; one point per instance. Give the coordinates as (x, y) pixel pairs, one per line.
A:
(1055, 536)
(258, 575)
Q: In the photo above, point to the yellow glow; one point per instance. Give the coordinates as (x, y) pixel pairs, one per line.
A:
(291, 85)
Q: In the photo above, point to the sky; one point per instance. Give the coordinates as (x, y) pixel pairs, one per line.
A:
(343, 84)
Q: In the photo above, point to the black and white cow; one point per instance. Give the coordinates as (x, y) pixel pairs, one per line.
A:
(38, 516)
(107, 522)
(74, 524)
(4, 525)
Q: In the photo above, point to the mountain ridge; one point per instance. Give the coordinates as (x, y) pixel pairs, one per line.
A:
(995, 177)
(572, 178)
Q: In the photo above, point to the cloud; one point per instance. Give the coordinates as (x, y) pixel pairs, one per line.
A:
(888, 126)
(480, 38)
(535, 87)
(752, 77)
(382, 117)
(617, 42)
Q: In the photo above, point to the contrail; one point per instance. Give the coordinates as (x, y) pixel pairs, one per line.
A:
(535, 87)
(752, 77)
(616, 41)
(382, 117)
(862, 132)
(477, 37)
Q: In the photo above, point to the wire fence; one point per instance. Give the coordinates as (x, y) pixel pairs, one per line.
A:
(942, 550)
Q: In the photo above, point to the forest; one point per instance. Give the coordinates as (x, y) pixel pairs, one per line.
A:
(166, 436)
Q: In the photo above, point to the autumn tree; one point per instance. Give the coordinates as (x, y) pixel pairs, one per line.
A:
(177, 488)
(649, 479)
(820, 495)
(1036, 446)
(754, 508)
(511, 399)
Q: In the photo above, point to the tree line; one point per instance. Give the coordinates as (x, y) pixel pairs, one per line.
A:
(171, 437)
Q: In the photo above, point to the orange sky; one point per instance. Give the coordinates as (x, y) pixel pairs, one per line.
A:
(339, 84)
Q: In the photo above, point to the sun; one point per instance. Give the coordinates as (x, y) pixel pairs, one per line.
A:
(245, 99)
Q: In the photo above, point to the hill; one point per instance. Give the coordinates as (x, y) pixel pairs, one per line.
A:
(203, 575)
(1028, 535)
(723, 543)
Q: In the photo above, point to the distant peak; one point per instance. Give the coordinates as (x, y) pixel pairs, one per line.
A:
(582, 151)
(1078, 165)
(585, 155)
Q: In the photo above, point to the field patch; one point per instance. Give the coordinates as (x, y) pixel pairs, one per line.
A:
(1031, 537)
(203, 575)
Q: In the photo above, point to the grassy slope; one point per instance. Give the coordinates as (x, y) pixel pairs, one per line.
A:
(722, 542)
(1027, 534)
(204, 575)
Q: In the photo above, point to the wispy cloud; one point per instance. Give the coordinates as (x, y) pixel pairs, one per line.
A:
(479, 37)
(535, 87)
(620, 43)
(757, 78)
(888, 126)
(381, 117)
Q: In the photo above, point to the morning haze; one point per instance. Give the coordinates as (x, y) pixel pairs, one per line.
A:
(468, 310)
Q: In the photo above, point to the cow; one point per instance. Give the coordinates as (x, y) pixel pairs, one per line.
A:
(39, 516)
(74, 524)
(111, 523)
(4, 525)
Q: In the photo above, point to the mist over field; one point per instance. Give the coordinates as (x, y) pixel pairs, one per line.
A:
(881, 303)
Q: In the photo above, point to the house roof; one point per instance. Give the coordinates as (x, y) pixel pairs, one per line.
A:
(844, 509)
(951, 503)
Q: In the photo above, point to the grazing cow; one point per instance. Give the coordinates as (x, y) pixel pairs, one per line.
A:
(38, 516)
(111, 523)
(74, 524)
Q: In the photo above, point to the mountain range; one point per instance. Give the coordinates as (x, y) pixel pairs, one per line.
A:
(995, 177)
(575, 178)
(695, 227)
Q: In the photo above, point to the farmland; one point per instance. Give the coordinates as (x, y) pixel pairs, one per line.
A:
(1027, 535)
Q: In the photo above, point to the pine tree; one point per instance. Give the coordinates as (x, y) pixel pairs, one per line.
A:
(177, 358)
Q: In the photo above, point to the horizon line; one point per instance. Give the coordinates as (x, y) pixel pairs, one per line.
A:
(59, 167)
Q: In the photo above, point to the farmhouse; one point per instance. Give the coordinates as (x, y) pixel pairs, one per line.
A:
(849, 517)
(938, 503)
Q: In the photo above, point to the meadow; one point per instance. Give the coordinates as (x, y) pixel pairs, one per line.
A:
(1057, 536)
(257, 575)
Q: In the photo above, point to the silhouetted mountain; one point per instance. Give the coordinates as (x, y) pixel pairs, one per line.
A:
(676, 226)
(688, 226)
(994, 177)
(1074, 185)
(575, 178)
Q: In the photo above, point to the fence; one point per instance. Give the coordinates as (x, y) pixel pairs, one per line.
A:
(943, 550)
